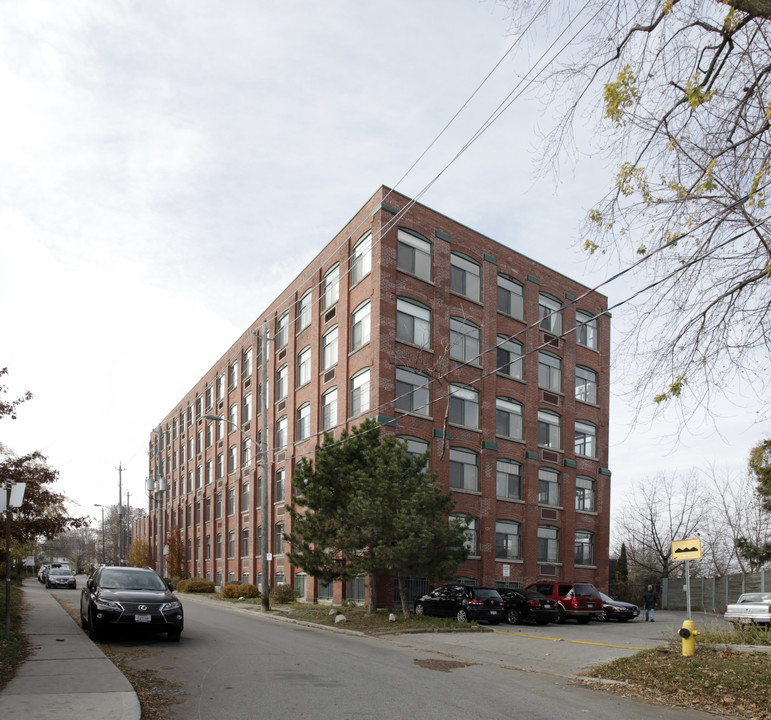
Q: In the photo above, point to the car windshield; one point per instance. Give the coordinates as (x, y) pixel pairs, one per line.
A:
(60, 571)
(131, 580)
(755, 598)
(585, 591)
(487, 594)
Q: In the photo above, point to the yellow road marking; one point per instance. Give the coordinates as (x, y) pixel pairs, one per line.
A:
(577, 642)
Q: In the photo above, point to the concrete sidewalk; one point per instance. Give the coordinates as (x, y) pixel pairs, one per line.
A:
(66, 676)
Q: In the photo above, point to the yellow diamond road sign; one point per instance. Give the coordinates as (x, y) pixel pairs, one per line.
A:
(686, 549)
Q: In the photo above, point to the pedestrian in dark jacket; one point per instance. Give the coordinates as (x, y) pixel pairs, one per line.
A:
(650, 600)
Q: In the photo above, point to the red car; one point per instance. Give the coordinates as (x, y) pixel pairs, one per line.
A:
(579, 600)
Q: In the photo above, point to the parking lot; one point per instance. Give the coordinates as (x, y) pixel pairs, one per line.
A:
(564, 650)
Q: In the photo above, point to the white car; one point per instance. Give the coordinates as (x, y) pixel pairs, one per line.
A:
(750, 608)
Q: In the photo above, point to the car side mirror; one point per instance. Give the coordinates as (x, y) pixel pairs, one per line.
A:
(170, 586)
(90, 584)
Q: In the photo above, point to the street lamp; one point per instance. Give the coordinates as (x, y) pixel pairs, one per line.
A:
(13, 498)
(104, 562)
(262, 453)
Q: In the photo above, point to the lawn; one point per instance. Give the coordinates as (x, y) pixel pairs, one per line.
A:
(14, 649)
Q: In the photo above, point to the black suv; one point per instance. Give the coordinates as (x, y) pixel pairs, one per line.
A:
(132, 598)
(463, 602)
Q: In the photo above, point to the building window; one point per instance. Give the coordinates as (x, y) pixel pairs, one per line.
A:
(233, 375)
(360, 324)
(304, 366)
(464, 340)
(361, 259)
(509, 357)
(329, 409)
(245, 542)
(220, 387)
(586, 385)
(584, 548)
(412, 391)
(207, 549)
(586, 329)
(508, 418)
(464, 406)
(415, 446)
(510, 297)
(360, 393)
(282, 382)
(280, 483)
(209, 471)
(508, 544)
(247, 362)
(232, 459)
(303, 422)
(220, 465)
(413, 322)
(304, 305)
(300, 585)
(508, 480)
(469, 526)
(330, 288)
(232, 544)
(218, 548)
(220, 425)
(586, 439)
(218, 506)
(549, 314)
(232, 416)
(549, 372)
(259, 544)
(198, 412)
(282, 331)
(548, 544)
(549, 434)
(281, 432)
(245, 497)
(246, 412)
(549, 487)
(585, 494)
(413, 255)
(246, 452)
(231, 501)
(464, 469)
(278, 548)
(207, 510)
(209, 399)
(329, 349)
(465, 276)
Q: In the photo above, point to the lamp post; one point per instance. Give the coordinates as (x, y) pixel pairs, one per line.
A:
(14, 496)
(104, 562)
(262, 454)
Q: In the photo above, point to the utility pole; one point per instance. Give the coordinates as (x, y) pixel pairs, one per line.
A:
(264, 591)
(120, 470)
(160, 486)
(127, 544)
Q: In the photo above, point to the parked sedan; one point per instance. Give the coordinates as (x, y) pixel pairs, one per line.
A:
(134, 599)
(524, 605)
(60, 577)
(616, 610)
(463, 602)
(750, 608)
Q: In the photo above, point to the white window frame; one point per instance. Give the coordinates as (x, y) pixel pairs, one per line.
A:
(304, 366)
(549, 487)
(413, 255)
(361, 259)
(360, 392)
(508, 418)
(360, 325)
(329, 409)
(330, 288)
(511, 297)
(548, 546)
(586, 494)
(549, 371)
(509, 357)
(464, 474)
(586, 385)
(465, 340)
(413, 322)
(549, 314)
(303, 422)
(508, 540)
(282, 382)
(465, 277)
(412, 391)
(584, 541)
(464, 406)
(470, 530)
(329, 350)
(549, 429)
(585, 439)
(586, 329)
(304, 307)
(282, 439)
(508, 479)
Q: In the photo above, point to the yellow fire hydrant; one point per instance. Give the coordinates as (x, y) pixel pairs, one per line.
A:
(688, 633)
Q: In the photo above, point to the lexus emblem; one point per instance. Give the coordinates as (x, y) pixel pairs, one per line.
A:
(143, 607)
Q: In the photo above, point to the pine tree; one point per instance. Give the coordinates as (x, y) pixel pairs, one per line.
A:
(622, 574)
(369, 507)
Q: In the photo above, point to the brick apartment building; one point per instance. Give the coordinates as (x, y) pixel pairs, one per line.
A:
(455, 342)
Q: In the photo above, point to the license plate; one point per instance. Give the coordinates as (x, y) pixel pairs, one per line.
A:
(493, 612)
(142, 618)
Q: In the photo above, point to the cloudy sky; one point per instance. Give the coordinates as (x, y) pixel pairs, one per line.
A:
(169, 166)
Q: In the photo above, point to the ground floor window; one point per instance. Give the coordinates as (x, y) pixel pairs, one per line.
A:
(355, 589)
(325, 590)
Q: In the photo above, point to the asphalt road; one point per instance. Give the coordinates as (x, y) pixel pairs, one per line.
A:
(233, 662)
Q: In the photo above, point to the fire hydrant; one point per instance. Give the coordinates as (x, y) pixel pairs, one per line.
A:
(688, 633)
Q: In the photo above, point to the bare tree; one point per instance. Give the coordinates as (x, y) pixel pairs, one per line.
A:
(679, 92)
(661, 509)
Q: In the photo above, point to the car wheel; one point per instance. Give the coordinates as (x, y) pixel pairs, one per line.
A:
(603, 616)
(173, 635)
(513, 617)
(583, 620)
(461, 615)
(419, 609)
(93, 632)
(561, 617)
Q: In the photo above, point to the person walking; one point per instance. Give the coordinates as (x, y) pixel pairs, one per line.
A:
(650, 600)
